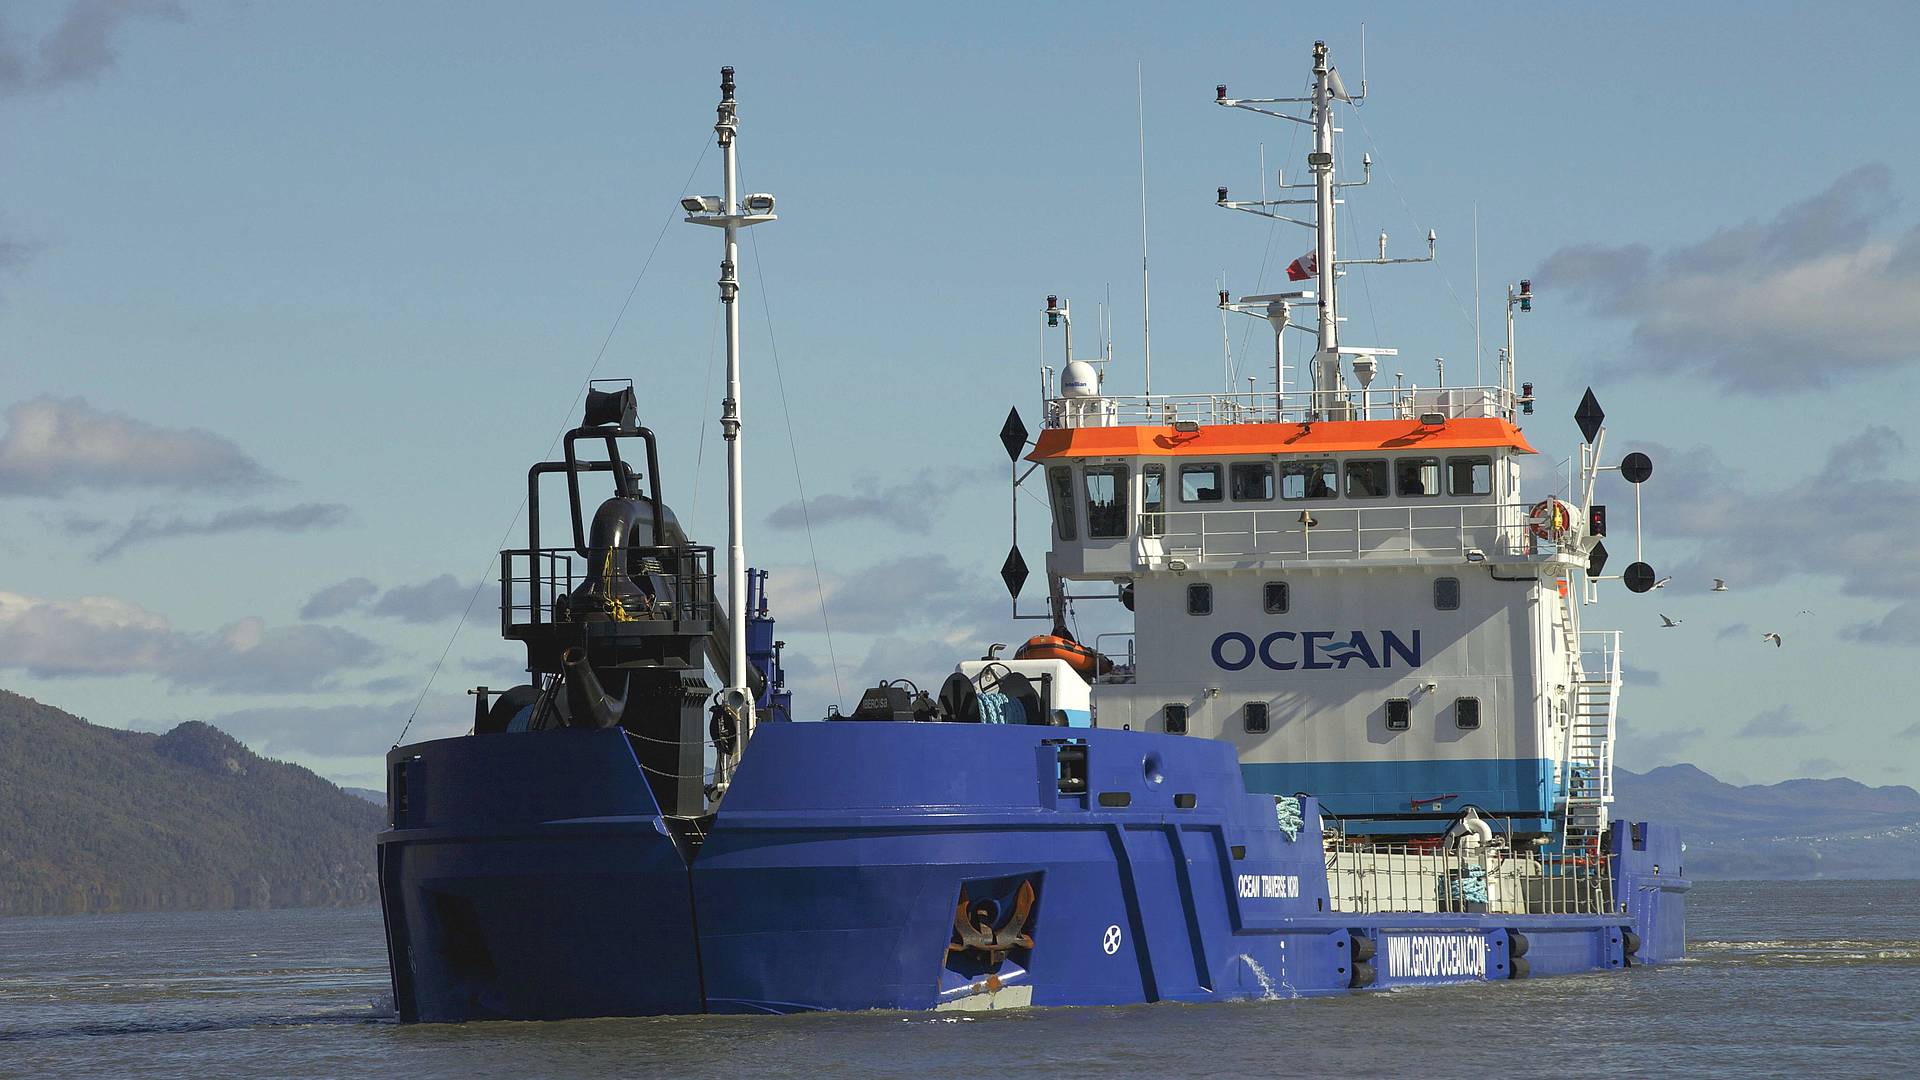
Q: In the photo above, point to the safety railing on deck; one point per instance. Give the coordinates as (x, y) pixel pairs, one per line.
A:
(1368, 877)
(673, 583)
(1293, 407)
(1309, 530)
(1117, 647)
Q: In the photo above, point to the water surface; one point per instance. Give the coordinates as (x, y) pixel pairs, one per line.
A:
(1784, 978)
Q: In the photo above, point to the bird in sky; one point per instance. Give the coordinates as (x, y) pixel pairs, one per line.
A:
(1719, 585)
(1662, 583)
(1775, 638)
(1666, 622)
(1806, 611)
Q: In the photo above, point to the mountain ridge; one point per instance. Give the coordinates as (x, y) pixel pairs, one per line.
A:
(1799, 828)
(98, 819)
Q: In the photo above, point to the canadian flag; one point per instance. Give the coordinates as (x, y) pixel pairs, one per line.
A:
(1304, 267)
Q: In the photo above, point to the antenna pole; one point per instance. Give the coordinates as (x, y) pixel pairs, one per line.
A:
(1327, 360)
(736, 694)
(1146, 292)
(725, 212)
(1476, 295)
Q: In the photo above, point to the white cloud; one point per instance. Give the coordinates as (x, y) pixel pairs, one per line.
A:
(913, 506)
(438, 598)
(1817, 293)
(104, 636)
(147, 527)
(77, 49)
(1840, 522)
(339, 598)
(54, 446)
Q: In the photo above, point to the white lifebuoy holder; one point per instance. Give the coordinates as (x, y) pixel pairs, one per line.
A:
(1550, 519)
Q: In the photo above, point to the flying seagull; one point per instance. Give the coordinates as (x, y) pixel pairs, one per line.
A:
(1666, 622)
(1662, 583)
(1719, 585)
(1775, 638)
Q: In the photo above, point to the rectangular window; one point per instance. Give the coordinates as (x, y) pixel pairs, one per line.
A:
(1199, 483)
(1276, 598)
(1153, 500)
(1446, 594)
(1252, 481)
(1199, 599)
(1060, 479)
(1469, 476)
(1416, 477)
(1466, 713)
(1176, 719)
(1367, 479)
(1256, 718)
(1308, 480)
(1399, 714)
(1106, 501)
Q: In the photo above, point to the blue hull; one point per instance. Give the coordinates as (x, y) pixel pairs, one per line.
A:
(531, 876)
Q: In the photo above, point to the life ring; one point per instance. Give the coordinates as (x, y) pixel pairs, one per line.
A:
(1083, 660)
(1550, 519)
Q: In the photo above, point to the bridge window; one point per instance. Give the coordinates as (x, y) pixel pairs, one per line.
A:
(1252, 481)
(1061, 479)
(1199, 483)
(1446, 594)
(1106, 501)
(1470, 476)
(1399, 714)
(1199, 599)
(1276, 598)
(1153, 500)
(1309, 480)
(1466, 713)
(1255, 718)
(1367, 479)
(1176, 716)
(1416, 477)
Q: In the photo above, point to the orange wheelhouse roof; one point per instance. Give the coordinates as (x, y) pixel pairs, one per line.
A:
(1319, 437)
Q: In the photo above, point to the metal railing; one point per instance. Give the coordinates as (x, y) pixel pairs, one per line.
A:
(1588, 777)
(536, 585)
(1368, 877)
(1293, 407)
(1118, 647)
(1312, 529)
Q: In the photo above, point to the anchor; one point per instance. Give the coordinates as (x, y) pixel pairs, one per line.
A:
(973, 928)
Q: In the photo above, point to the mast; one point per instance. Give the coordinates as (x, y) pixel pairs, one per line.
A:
(730, 213)
(1326, 358)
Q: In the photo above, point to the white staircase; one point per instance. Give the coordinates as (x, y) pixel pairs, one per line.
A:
(1588, 790)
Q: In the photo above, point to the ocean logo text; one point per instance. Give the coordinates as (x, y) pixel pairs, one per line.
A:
(1316, 650)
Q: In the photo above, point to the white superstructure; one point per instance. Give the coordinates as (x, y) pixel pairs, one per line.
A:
(1344, 580)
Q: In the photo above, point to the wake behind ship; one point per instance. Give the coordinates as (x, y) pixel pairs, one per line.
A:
(1356, 738)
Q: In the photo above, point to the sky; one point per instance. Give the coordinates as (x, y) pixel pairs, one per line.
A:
(291, 295)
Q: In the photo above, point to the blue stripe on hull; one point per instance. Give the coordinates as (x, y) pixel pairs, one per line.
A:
(1516, 787)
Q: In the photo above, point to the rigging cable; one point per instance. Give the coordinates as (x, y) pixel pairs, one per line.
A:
(480, 586)
(706, 403)
(1273, 230)
(1401, 195)
(793, 452)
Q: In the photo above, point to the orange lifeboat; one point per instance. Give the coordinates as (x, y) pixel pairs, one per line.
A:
(1083, 660)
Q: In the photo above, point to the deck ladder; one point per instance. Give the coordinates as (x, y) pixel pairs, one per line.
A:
(1589, 771)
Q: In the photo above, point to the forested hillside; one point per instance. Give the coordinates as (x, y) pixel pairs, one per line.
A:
(94, 819)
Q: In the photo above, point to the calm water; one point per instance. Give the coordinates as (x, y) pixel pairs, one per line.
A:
(1787, 978)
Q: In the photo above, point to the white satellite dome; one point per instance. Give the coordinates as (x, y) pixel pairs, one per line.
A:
(1079, 380)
